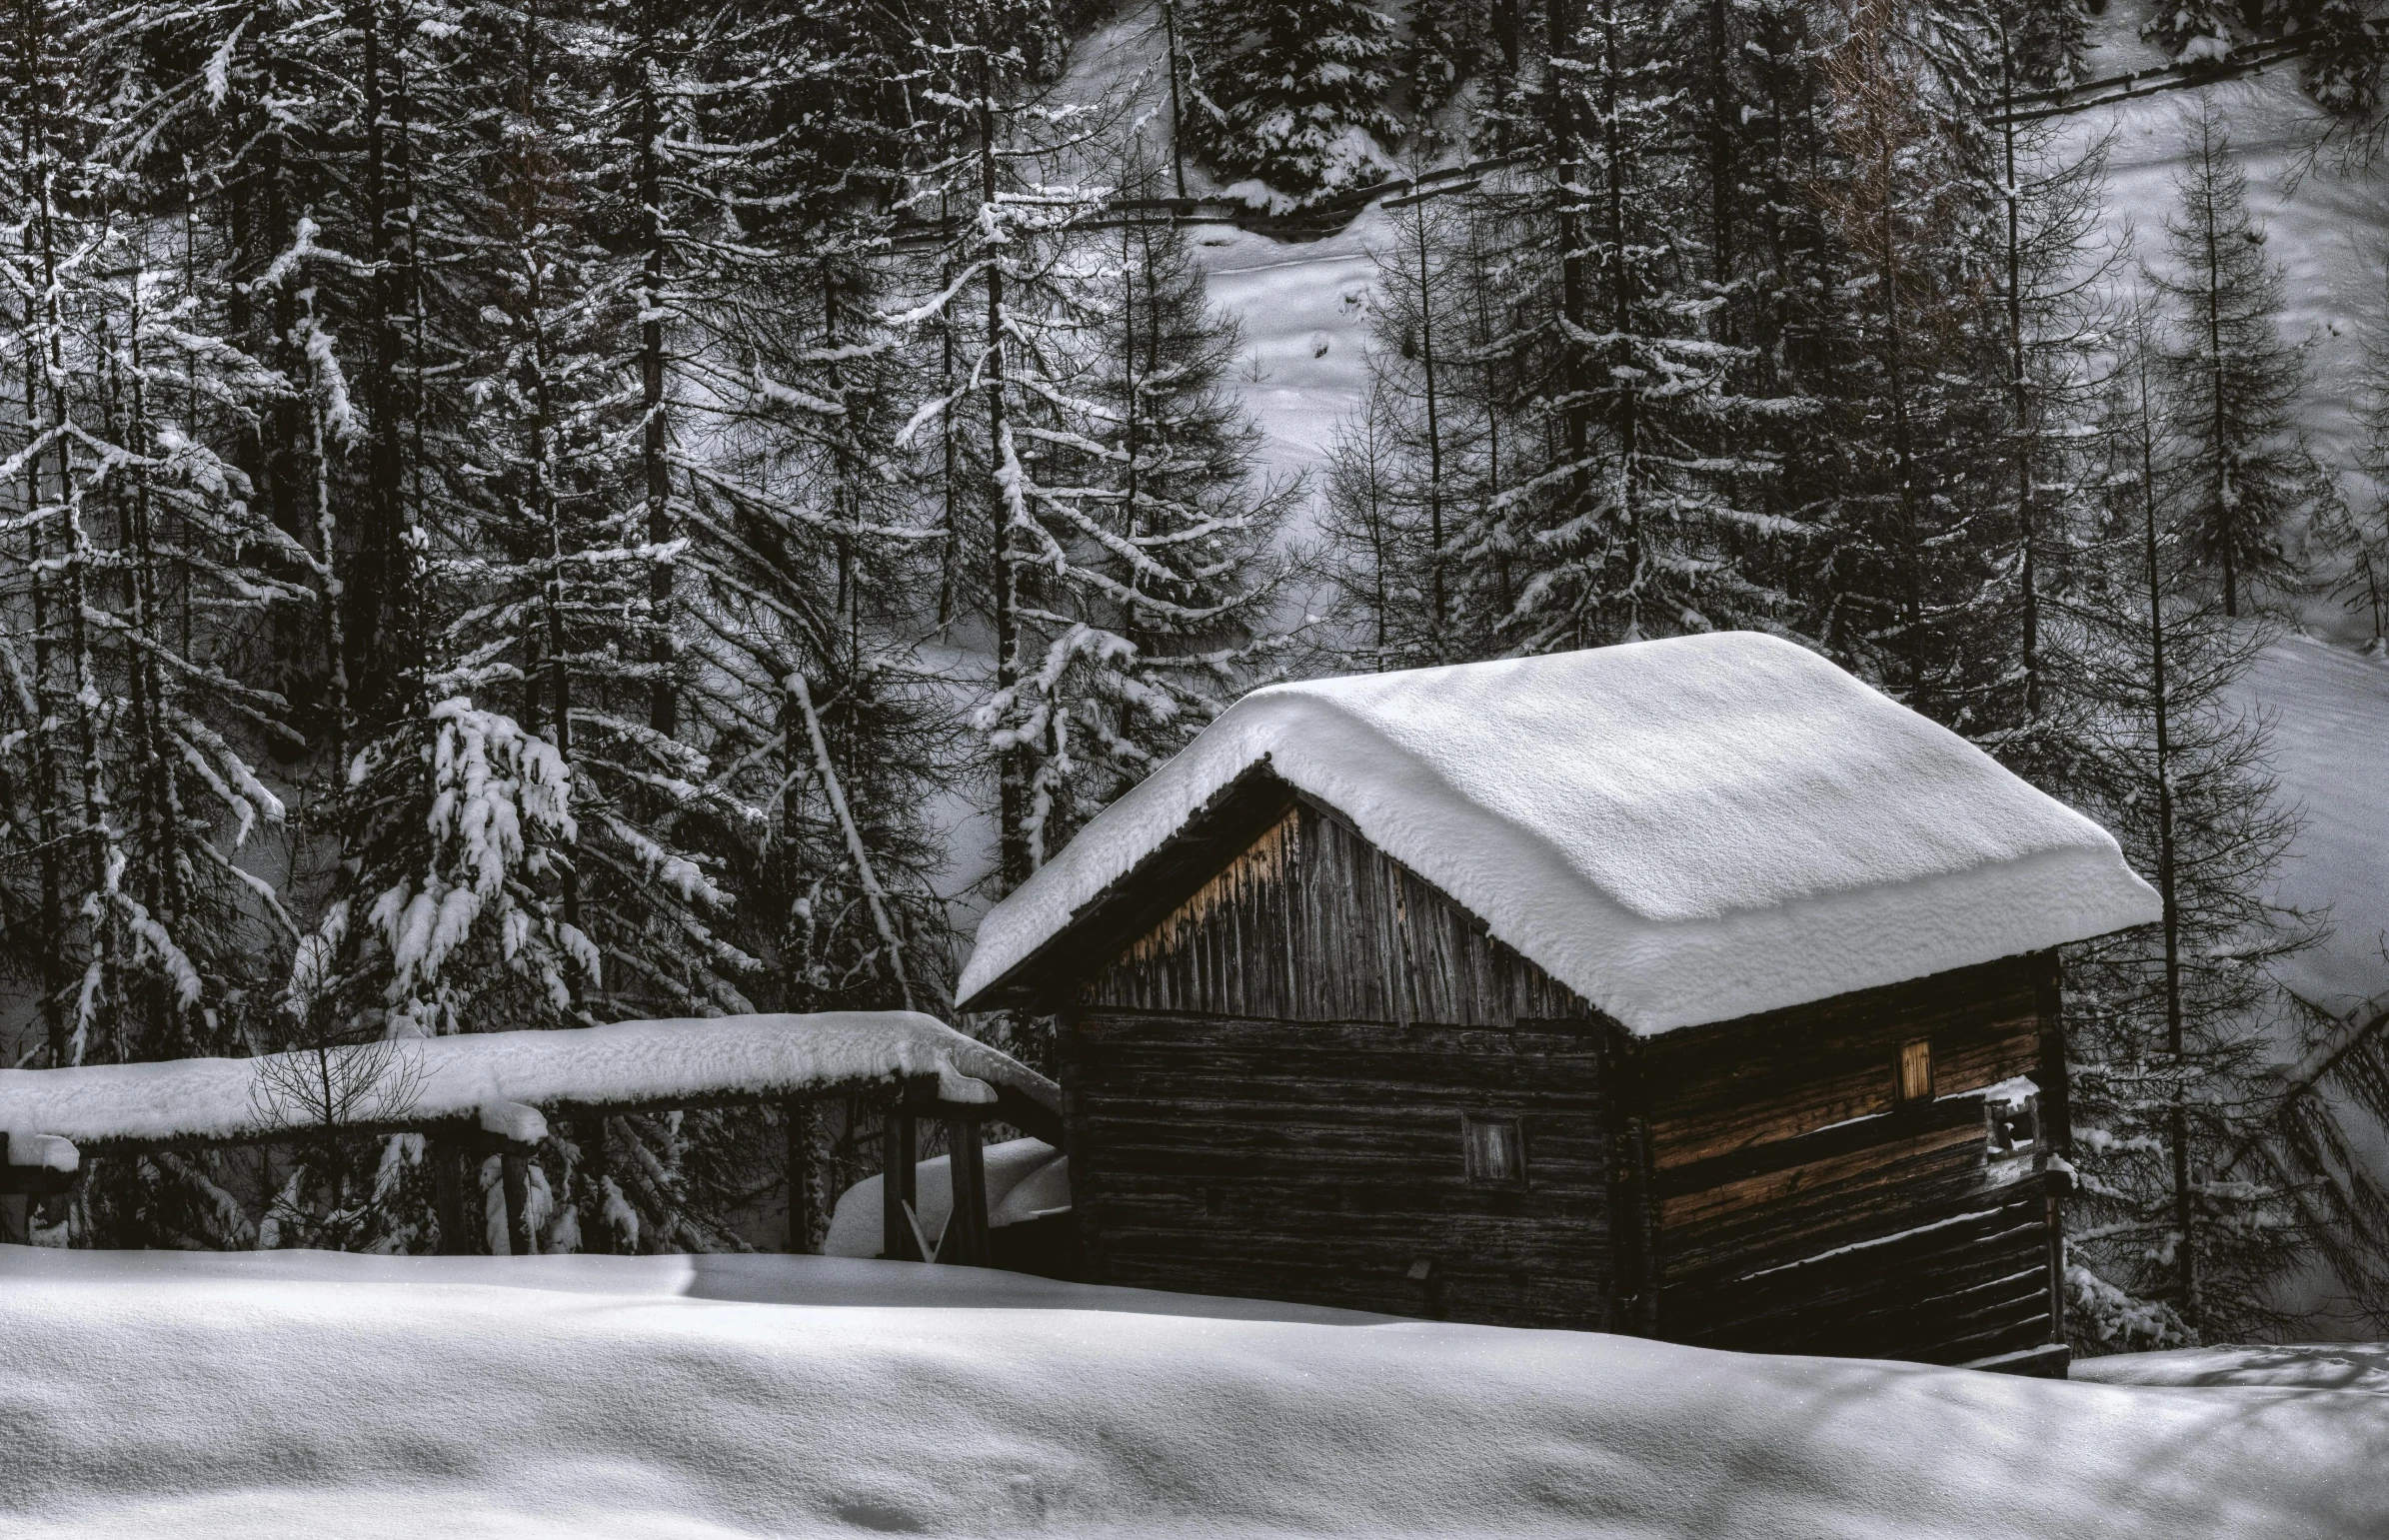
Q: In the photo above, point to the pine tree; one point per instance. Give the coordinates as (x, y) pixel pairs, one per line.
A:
(1442, 54)
(2055, 267)
(2361, 528)
(1170, 531)
(2192, 31)
(1296, 92)
(2231, 381)
(1911, 588)
(135, 559)
(2181, 1230)
(1381, 615)
(2047, 40)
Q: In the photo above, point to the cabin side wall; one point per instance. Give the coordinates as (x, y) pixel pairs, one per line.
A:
(1801, 1204)
(1271, 1092)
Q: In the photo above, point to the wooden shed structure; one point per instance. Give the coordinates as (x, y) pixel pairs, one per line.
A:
(1688, 989)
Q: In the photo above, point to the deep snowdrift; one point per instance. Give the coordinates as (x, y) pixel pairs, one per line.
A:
(295, 1394)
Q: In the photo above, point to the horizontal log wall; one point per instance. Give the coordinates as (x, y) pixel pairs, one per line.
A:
(1322, 1163)
(1798, 1206)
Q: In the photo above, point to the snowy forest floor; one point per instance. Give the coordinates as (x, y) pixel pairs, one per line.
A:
(310, 1393)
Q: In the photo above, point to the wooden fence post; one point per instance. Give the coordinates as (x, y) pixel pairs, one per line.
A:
(897, 1200)
(457, 1238)
(797, 1120)
(966, 1231)
(596, 1231)
(514, 1182)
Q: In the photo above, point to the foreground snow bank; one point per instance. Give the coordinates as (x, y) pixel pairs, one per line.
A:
(288, 1395)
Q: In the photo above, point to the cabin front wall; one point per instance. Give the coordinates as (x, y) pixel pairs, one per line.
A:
(1799, 1202)
(1272, 1091)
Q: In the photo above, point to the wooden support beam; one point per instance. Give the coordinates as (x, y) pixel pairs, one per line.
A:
(596, 1231)
(515, 1183)
(458, 1236)
(897, 1199)
(966, 1230)
(797, 1123)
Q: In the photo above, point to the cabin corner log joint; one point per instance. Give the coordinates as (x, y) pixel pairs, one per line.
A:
(1296, 1065)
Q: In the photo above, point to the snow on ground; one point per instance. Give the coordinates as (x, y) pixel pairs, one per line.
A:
(1026, 1179)
(706, 1398)
(2308, 1366)
(1305, 310)
(1683, 830)
(2329, 709)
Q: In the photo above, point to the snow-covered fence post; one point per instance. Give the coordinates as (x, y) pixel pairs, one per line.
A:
(515, 1187)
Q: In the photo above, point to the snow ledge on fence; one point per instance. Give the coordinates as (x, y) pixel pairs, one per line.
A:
(500, 1079)
(1682, 832)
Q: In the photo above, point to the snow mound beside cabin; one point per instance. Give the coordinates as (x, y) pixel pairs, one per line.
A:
(606, 1398)
(1682, 832)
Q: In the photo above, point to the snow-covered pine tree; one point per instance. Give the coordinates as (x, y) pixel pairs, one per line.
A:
(1158, 608)
(1445, 51)
(2231, 380)
(1638, 517)
(1296, 92)
(128, 582)
(2182, 1230)
(1912, 587)
(2192, 31)
(554, 632)
(2047, 40)
(804, 525)
(1007, 305)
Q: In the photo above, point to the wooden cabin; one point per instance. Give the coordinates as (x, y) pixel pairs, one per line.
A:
(1687, 988)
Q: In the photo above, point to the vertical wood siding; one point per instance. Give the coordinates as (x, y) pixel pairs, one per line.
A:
(1311, 923)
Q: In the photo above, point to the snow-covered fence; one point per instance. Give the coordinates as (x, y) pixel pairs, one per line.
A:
(498, 1091)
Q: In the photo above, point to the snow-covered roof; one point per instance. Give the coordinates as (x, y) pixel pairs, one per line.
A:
(1682, 832)
(501, 1079)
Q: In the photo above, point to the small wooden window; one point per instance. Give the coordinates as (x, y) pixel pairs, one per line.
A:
(1493, 1150)
(1915, 1073)
(2015, 1123)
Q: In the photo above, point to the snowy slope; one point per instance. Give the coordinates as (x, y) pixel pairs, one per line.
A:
(295, 1394)
(1304, 307)
(2329, 711)
(2326, 221)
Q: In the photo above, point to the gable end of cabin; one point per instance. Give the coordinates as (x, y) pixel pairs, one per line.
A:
(1314, 1077)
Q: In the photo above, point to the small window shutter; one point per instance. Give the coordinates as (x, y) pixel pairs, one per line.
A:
(1916, 1083)
(1493, 1150)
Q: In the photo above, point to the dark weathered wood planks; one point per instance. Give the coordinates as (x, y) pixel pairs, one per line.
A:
(1310, 922)
(1322, 1163)
(1271, 1037)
